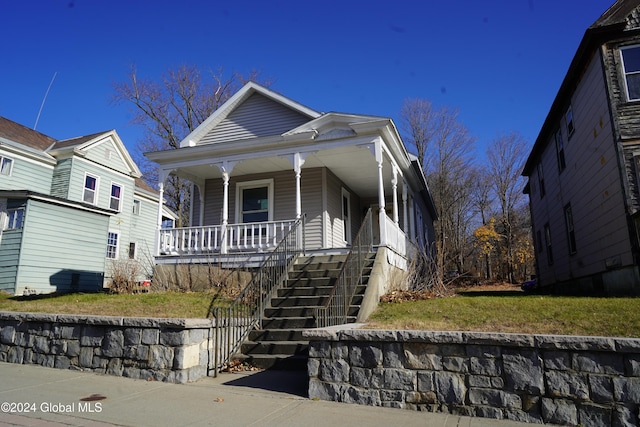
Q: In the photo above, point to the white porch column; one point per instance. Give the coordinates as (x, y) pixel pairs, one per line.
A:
(381, 202)
(394, 186)
(163, 175)
(404, 208)
(298, 161)
(225, 168)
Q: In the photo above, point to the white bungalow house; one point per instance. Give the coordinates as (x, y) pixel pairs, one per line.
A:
(262, 161)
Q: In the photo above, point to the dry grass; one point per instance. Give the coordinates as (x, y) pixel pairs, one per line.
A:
(155, 304)
(512, 311)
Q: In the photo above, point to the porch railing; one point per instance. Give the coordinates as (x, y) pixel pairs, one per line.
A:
(396, 238)
(336, 309)
(253, 236)
(233, 323)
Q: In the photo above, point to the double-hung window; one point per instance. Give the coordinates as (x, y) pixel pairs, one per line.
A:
(255, 201)
(541, 180)
(631, 68)
(6, 165)
(560, 151)
(571, 127)
(571, 234)
(115, 202)
(112, 245)
(547, 242)
(90, 194)
(15, 219)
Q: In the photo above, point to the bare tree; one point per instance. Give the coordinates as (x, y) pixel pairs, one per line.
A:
(171, 108)
(506, 156)
(445, 148)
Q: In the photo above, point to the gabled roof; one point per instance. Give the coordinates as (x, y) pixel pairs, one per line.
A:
(80, 145)
(235, 102)
(21, 134)
(610, 24)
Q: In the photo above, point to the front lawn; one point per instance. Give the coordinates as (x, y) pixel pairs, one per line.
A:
(155, 304)
(514, 312)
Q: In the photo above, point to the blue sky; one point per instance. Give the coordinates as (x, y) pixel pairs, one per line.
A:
(498, 62)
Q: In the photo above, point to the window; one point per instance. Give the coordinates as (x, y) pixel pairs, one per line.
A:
(631, 70)
(541, 180)
(90, 194)
(132, 250)
(571, 234)
(255, 201)
(112, 245)
(136, 207)
(116, 197)
(560, 151)
(570, 126)
(6, 165)
(15, 219)
(547, 241)
(346, 215)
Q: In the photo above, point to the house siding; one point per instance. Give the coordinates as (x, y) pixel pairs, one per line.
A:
(106, 153)
(69, 248)
(9, 257)
(142, 232)
(27, 174)
(61, 177)
(258, 116)
(590, 183)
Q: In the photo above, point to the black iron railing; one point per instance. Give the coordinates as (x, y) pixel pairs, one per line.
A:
(233, 323)
(336, 309)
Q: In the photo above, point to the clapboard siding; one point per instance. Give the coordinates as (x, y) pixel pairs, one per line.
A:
(107, 154)
(26, 175)
(9, 257)
(52, 251)
(142, 231)
(258, 116)
(61, 177)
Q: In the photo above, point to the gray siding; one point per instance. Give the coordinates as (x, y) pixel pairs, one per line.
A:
(258, 116)
(27, 174)
(590, 183)
(53, 251)
(9, 257)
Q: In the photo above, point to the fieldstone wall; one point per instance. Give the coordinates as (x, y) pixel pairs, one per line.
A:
(170, 350)
(532, 378)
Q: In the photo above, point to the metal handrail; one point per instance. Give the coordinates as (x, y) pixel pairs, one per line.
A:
(336, 309)
(233, 323)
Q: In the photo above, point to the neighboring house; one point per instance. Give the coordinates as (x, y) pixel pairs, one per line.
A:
(262, 161)
(69, 210)
(583, 168)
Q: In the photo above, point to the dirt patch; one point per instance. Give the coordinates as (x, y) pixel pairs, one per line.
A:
(451, 291)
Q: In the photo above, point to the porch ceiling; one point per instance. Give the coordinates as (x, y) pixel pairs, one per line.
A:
(353, 165)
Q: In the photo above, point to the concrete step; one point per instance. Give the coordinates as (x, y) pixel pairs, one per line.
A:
(299, 301)
(304, 291)
(313, 274)
(282, 362)
(276, 335)
(253, 348)
(309, 281)
(289, 323)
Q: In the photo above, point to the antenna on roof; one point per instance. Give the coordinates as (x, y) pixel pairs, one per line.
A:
(44, 99)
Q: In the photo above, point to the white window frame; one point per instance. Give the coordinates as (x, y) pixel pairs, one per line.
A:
(135, 250)
(346, 219)
(85, 188)
(571, 125)
(625, 74)
(137, 207)
(246, 185)
(15, 218)
(115, 184)
(113, 254)
(6, 160)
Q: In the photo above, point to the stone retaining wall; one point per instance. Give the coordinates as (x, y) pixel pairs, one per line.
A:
(171, 350)
(533, 378)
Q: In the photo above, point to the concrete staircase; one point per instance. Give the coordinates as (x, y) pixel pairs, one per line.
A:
(279, 344)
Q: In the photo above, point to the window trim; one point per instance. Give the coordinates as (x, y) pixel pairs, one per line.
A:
(570, 122)
(548, 244)
(625, 73)
(571, 230)
(135, 250)
(115, 184)
(2, 162)
(540, 173)
(13, 222)
(246, 185)
(114, 252)
(137, 207)
(562, 162)
(85, 188)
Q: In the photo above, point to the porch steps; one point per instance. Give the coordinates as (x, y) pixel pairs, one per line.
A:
(279, 344)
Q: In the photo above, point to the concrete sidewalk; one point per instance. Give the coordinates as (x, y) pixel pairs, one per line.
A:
(52, 397)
